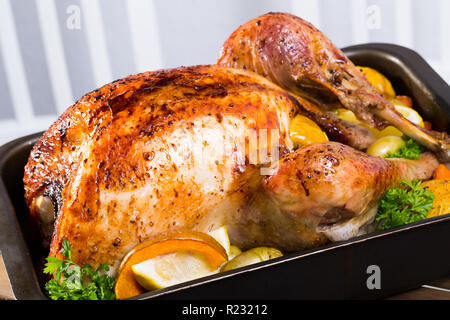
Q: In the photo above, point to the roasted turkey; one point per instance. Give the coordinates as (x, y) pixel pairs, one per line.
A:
(173, 149)
(202, 147)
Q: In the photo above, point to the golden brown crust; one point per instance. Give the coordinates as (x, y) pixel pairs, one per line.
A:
(115, 140)
(321, 178)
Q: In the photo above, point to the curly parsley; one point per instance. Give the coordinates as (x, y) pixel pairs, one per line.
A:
(411, 150)
(72, 282)
(404, 205)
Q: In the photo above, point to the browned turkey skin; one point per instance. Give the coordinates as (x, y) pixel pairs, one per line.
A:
(125, 162)
(294, 54)
(170, 149)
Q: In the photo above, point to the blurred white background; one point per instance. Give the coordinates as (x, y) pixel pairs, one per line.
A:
(54, 51)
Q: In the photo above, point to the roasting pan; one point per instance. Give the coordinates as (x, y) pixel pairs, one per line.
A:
(403, 258)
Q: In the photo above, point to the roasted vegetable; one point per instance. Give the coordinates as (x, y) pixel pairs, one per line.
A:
(251, 256)
(407, 101)
(234, 251)
(386, 145)
(442, 172)
(427, 125)
(441, 190)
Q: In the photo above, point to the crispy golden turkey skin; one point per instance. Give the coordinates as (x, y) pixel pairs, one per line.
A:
(151, 153)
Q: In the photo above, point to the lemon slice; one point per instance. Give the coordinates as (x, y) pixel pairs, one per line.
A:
(170, 269)
(178, 266)
(410, 114)
(167, 259)
(303, 132)
(221, 236)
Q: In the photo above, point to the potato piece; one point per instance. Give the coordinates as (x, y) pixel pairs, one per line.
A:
(251, 256)
(383, 146)
(234, 252)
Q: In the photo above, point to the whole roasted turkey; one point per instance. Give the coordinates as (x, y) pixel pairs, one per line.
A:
(198, 148)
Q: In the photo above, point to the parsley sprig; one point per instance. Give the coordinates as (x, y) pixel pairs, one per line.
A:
(411, 150)
(73, 282)
(405, 205)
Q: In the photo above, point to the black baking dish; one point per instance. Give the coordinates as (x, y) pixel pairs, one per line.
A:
(407, 256)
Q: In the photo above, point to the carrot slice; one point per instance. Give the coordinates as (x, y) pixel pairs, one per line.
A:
(442, 172)
(406, 100)
(126, 285)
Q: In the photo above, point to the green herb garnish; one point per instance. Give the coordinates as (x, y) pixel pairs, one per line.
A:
(72, 282)
(404, 205)
(412, 150)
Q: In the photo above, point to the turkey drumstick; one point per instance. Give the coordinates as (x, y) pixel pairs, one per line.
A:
(332, 188)
(295, 55)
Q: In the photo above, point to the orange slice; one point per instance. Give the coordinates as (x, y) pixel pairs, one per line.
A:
(190, 241)
(379, 81)
(303, 132)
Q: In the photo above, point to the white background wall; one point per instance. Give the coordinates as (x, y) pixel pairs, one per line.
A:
(54, 51)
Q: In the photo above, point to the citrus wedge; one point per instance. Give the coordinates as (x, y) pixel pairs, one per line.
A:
(304, 131)
(221, 236)
(172, 268)
(410, 114)
(379, 81)
(196, 243)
